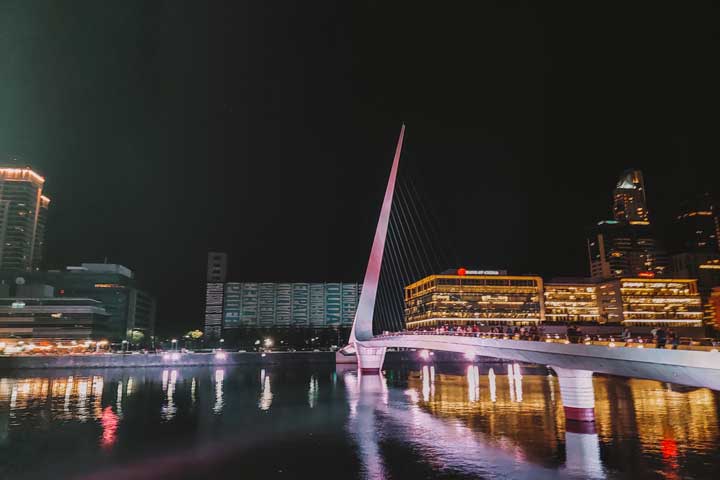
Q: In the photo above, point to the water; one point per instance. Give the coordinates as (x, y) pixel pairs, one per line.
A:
(313, 422)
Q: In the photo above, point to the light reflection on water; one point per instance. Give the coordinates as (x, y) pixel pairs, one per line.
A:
(460, 421)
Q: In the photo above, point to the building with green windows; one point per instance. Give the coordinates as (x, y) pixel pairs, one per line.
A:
(289, 305)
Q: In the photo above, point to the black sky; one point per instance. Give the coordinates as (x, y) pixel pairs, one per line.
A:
(266, 129)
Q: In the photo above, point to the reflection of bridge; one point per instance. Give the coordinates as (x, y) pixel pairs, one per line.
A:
(574, 364)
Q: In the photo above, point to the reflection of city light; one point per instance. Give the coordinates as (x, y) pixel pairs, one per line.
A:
(493, 387)
(109, 422)
(313, 391)
(266, 395)
(219, 400)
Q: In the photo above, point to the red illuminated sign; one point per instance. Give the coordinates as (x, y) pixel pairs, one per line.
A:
(646, 274)
(461, 271)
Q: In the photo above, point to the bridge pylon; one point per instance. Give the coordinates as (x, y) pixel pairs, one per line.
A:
(578, 394)
(370, 359)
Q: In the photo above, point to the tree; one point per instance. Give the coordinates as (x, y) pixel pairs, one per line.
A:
(194, 334)
(136, 337)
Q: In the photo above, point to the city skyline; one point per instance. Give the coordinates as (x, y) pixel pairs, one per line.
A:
(523, 144)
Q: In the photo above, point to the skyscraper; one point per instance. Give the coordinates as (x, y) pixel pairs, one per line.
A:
(23, 213)
(629, 203)
(626, 245)
(214, 293)
(696, 225)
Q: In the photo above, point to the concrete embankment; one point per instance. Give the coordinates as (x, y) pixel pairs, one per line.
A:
(197, 359)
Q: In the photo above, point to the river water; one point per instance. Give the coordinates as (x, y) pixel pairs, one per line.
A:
(451, 421)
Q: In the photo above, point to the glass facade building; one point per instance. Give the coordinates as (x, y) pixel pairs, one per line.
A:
(129, 308)
(574, 301)
(651, 302)
(53, 319)
(466, 299)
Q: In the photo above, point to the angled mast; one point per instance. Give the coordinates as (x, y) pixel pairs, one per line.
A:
(362, 326)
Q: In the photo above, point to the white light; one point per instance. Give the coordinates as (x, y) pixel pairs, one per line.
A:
(262, 355)
(166, 356)
(175, 356)
(611, 344)
(220, 355)
(470, 356)
(424, 354)
(714, 350)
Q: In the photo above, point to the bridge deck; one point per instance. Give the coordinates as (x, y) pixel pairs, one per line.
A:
(685, 367)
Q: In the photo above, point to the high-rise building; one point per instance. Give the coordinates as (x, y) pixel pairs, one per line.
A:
(715, 304)
(696, 225)
(214, 293)
(629, 202)
(217, 267)
(23, 214)
(626, 245)
(705, 267)
(617, 249)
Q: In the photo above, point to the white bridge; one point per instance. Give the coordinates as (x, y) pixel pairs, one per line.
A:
(574, 364)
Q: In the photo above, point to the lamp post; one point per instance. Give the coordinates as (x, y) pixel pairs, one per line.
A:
(174, 344)
(124, 346)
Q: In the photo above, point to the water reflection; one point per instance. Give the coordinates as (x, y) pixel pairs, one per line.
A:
(219, 398)
(266, 396)
(451, 419)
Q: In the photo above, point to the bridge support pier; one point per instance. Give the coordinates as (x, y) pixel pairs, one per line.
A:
(578, 395)
(370, 359)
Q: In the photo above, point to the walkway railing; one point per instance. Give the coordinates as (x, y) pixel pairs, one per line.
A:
(609, 341)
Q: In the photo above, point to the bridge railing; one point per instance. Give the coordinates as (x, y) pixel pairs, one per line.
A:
(610, 341)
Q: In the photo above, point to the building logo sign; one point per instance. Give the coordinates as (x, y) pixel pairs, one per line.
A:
(646, 274)
(462, 272)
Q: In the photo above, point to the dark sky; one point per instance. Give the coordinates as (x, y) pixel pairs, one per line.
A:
(266, 129)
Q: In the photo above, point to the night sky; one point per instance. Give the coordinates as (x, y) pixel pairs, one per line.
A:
(266, 129)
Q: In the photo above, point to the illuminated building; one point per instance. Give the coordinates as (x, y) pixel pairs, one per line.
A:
(468, 297)
(715, 305)
(285, 305)
(214, 291)
(571, 300)
(23, 214)
(705, 267)
(650, 302)
(697, 225)
(629, 203)
(129, 308)
(626, 246)
(53, 319)
(617, 249)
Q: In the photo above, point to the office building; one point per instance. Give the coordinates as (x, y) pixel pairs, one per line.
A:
(696, 225)
(617, 249)
(23, 215)
(474, 297)
(289, 305)
(53, 319)
(571, 300)
(629, 202)
(626, 245)
(130, 309)
(673, 302)
(715, 305)
(705, 267)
